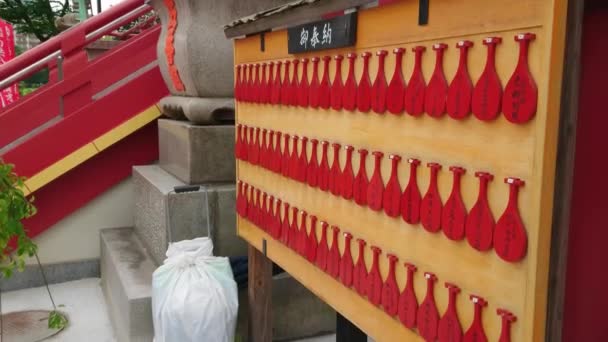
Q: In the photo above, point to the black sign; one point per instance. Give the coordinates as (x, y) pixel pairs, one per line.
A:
(325, 34)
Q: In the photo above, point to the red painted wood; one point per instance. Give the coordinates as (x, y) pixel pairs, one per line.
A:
(346, 262)
(286, 85)
(269, 150)
(314, 96)
(256, 86)
(285, 156)
(337, 88)
(324, 86)
(390, 290)
(428, 316)
(378, 91)
(264, 212)
(257, 208)
(335, 173)
(293, 159)
(302, 92)
(277, 155)
(302, 161)
(270, 83)
(521, 93)
(487, 94)
(416, 87)
(449, 329)
(360, 272)
(479, 226)
(322, 248)
(245, 201)
(586, 297)
(275, 93)
(237, 84)
(333, 258)
(263, 146)
(349, 98)
(295, 84)
(364, 89)
(251, 205)
(431, 205)
(510, 237)
(461, 87)
(411, 198)
(263, 86)
(408, 304)
(475, 333)
(507, 319)
(323, 175)
(108, 168)
(374, 281)
(396, 88)
(391, 199)
(361, 183)
(293, 230)
(254, 158)
(86, 124)
(302, 236)
(311, 244)
(240, 199)
(285, 224)
(278, 222)
(348, 177)
(312, 171)
(375, 189)
(436, 93)
(454, 213)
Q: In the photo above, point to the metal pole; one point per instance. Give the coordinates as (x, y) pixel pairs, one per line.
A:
(98, 6)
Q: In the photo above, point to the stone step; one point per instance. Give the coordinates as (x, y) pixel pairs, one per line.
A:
(126, 276)
(197, 154)
(126, 281)
(188, 215)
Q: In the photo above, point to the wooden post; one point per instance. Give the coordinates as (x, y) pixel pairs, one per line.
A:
(348, 332)
(260, 296)
(564, 172)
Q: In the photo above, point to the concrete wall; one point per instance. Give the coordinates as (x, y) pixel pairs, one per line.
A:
(76, 237)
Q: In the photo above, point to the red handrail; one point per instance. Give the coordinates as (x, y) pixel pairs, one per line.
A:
(89, 29)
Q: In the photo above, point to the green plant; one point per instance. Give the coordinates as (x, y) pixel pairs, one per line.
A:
(15, 245)
(35, 17)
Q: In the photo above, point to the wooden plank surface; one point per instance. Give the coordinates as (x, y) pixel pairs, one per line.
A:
(260, 296)
(526, 151)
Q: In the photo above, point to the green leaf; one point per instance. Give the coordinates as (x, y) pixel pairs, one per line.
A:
(57, 320)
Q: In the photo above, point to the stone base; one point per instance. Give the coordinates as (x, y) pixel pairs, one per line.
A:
(197, 154)
(199, 110)
(126, 282)
(187, 214)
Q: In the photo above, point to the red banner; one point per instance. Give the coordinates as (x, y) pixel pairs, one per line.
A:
(7, 52)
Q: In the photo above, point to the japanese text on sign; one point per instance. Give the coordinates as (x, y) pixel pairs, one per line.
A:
(326, 34)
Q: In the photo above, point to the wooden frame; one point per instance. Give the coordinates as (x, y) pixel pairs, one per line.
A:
(526, 151)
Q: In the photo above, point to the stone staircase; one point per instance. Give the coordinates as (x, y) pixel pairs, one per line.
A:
(201, 156)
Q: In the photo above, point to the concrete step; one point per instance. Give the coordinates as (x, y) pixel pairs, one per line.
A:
(126, 281)
(197, 154)
(188, 215)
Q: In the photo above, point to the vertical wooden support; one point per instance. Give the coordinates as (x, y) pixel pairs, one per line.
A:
(348, 332)
(260, 296)
(564, 171)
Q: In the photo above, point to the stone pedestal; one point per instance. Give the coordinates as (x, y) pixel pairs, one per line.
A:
(197, 154)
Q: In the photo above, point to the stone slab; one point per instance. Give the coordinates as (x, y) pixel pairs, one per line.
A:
(126, 281)
(197, 154)
(187, 214)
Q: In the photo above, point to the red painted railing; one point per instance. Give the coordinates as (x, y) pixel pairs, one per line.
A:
(84, 98)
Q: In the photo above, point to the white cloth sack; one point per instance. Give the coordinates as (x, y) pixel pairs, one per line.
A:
(194, 295)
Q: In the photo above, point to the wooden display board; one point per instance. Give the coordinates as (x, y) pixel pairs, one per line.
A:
(526, 151)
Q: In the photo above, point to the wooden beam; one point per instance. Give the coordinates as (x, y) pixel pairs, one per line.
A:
(260, 296)
(293, 17)
(564, 173)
